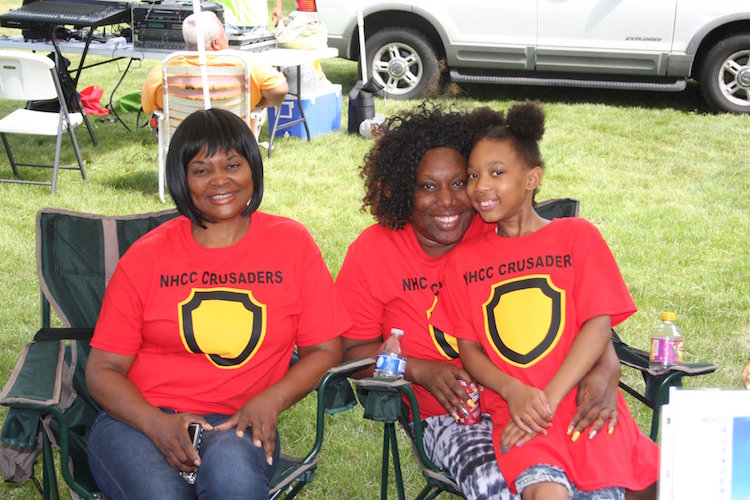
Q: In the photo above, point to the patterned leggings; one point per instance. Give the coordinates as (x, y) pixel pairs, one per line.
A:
(466, 452)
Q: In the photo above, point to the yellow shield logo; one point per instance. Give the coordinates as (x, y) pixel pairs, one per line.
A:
(524, 318)
(447, 345)
(226, 325)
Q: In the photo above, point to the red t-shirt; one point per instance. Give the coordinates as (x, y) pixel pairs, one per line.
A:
(525, 299)
(212, 327)
(388, 281)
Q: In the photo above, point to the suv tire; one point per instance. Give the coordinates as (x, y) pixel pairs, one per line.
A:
(403, 61)
(725, 76)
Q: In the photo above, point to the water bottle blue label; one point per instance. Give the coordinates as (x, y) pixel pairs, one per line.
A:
(391, 364)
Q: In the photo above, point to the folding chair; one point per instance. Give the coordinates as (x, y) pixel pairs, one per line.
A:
(46, 393)
(182, 87)
(27, 76)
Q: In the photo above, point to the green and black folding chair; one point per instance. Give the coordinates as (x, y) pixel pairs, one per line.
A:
(46, 394)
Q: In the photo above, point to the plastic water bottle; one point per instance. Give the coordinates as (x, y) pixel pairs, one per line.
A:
(390, 363)
(666, 343)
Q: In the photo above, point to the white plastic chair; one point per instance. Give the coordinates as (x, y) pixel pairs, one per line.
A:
(29, 77)
(182, 90)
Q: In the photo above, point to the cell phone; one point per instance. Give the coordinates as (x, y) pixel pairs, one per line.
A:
(195, 431)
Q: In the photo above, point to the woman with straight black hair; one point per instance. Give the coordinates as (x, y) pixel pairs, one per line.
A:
(212, 130)
(198, 326)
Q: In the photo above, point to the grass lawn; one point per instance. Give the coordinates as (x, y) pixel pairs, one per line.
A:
(665, 181)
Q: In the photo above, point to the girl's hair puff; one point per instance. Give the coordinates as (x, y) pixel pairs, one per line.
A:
(524, 128)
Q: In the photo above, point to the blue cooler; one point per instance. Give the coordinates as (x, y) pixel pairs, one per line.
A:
(322, 110)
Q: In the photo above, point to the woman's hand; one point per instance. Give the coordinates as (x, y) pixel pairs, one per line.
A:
(262, 411)
(108, 384)
(261, 414)
(441, 379)
(597, 396)
(529, 407)
(169, 433)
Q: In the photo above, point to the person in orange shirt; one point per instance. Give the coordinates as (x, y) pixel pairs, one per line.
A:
(268, 86)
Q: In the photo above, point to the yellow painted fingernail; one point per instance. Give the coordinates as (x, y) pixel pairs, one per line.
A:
(576, 435)
(570, 429)
(471, 403)
(610, 430)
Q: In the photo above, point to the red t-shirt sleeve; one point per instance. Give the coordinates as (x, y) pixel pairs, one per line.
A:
(122, 306)
(323, 315)
(365, 308)
(599, 286)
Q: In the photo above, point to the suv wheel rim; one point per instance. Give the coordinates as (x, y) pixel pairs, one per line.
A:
(734, 78)
(397, 67)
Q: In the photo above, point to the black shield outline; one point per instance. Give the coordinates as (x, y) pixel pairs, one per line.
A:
(542, 283)
(442, 344)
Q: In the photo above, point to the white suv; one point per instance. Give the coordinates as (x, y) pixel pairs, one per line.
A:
(623, 44)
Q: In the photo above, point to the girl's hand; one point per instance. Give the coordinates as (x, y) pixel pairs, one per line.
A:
(261, 414)
(513, 435)
(529, 408)
(169, 433)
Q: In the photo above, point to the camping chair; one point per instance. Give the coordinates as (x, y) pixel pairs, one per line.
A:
(182, 87)
(76, 255)
(28, 77)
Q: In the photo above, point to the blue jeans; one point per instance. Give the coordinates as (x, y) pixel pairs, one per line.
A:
(126, 465)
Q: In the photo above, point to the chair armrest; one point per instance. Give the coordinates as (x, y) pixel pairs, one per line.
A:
(394, 384)
(639, 359)
(64, 334)
(335, 387)
(335, 395)
(351, 366)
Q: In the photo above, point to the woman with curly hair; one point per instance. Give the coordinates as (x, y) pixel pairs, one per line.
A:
(537, 324)
(415, 180)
